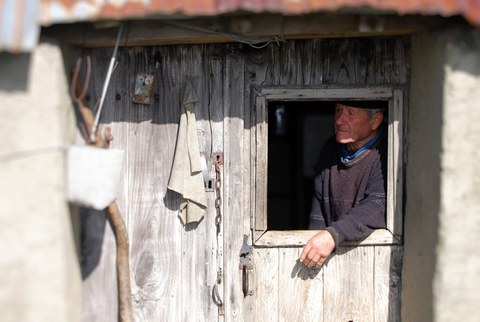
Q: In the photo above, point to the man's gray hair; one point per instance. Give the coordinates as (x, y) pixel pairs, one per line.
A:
(371, 107)
(371, 111)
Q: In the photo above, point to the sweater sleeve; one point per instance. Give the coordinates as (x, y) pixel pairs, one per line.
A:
(317, 220)
(367, 214)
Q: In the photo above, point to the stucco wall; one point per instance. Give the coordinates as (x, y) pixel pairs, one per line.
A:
(457, 278)
(422, 176)
(40, 278)
(441, 272)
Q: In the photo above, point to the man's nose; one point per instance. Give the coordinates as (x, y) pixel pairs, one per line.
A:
(339, 119)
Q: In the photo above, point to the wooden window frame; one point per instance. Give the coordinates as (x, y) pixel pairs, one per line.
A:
(392, 235)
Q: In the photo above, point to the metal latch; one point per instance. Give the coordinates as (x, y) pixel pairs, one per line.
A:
(210, 183)
(217, 299)
(245, 266)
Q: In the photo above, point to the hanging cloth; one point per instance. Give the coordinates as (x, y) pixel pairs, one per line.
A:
(186, 175)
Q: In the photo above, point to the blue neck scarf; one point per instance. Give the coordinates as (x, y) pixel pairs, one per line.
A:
(348, 156)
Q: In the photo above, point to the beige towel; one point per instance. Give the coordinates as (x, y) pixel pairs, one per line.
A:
(186, 175)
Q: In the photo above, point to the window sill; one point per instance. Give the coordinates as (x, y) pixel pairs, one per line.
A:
(298, 238)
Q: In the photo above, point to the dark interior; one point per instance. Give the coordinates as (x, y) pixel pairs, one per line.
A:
(296, 133)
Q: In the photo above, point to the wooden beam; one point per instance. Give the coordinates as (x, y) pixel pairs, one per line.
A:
(298, 238)
(251, 28)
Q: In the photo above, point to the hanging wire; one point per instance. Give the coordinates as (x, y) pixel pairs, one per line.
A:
(254, 43)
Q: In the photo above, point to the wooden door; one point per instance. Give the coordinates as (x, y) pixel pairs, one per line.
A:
(174, 268)
(361, 281)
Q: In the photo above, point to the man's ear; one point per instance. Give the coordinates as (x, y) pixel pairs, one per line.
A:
(377, 120)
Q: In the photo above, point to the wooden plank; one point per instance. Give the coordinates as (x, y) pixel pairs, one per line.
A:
(251, 27)
(348, 285)
(260, 67)
(236, 223)
(199, 260)
(326, 93)
(154, 242)
(292, 238)
(213, 71)
(300, 295)
(340, 68)
(365, 71)
(265, 285)
(400, 61)
(305, 69)
(288, 73)
(154, 229)
(100, 283)
(257, 66)
(388, 267)
(389, 61)
(261, 161)
(396, 153)
(317, 66)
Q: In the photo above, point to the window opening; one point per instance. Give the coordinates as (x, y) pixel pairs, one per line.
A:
(296, 133)
(291, 127)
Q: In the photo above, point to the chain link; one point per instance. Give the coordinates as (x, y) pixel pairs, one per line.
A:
(218, 160)
(218, 199)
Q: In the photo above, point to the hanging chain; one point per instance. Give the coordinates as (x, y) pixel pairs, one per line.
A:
(218, 161)
(218, 184)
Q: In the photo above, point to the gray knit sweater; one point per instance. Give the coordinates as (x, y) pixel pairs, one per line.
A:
(349, 199)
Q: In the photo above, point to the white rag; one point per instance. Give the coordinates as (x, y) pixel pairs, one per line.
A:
(186, 176)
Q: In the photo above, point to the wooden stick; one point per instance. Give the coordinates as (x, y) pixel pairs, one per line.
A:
(120, 230)
(123, 264)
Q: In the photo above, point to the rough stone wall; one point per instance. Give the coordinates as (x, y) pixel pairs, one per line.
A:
(40, 278)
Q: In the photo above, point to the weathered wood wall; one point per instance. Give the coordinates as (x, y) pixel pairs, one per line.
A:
(173, 268)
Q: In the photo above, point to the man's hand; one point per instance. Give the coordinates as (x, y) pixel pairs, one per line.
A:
(317, 249)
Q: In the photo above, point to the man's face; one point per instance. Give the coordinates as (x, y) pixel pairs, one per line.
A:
(353, 126)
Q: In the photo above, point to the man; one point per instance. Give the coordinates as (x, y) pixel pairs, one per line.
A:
(349, 197)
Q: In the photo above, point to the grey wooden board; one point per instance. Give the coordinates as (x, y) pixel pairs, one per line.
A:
(173, 268)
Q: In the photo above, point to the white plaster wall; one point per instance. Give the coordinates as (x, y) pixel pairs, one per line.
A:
(441, 273)
(40, 278)
(457, 278)
(422, 193)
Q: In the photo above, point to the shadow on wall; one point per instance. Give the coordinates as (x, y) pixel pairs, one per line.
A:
(14, 71)
(92, 229)
(228, 74)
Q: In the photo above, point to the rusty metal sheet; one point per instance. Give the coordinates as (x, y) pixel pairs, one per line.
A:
(19, 30)
(56, 11)
(20, 19)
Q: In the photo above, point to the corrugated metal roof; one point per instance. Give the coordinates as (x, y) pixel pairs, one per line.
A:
(20, 20)
(19, 27)
(55, 11)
